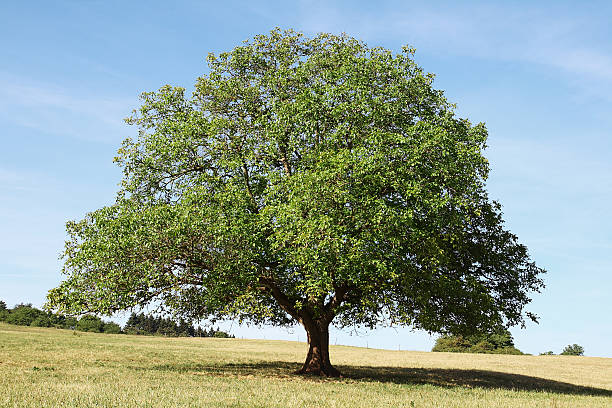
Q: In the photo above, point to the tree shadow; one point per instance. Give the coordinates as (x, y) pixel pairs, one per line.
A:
(440, 377)
(469, 379)
(277, 369)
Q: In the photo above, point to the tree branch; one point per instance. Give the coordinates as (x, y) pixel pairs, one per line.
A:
(247, 182)
(284, 160)
(282, 299)
(329, 310)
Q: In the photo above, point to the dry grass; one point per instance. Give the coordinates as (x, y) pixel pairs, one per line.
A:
(50, 367)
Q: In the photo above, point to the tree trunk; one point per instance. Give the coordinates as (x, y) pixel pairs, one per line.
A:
(317, 361)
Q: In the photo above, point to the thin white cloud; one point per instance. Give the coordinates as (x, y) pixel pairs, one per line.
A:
(556, 198)
(555, 167)
(58, 110)
(9, 177)
(584, 61)
(11, 180)
(527, 34)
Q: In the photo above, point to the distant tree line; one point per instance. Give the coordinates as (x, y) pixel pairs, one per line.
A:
(155, 325)
(24, 314)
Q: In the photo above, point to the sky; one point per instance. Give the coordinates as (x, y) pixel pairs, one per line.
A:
(539, 74)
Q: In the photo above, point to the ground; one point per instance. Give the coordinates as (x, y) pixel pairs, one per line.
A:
(51, 367)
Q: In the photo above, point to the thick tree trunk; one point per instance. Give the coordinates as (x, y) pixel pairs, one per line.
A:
(317, 361)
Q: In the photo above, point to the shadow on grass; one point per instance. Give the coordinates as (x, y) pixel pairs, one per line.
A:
(415, 376)
(469, 379)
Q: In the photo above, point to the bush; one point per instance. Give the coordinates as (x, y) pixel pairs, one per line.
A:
(547, 353)
(221, 335)
(488, 343)
(24, 315)
(112, 328)
(573, 350)
(452, 344)
(70, 323)
(41, 321)
(90, 324)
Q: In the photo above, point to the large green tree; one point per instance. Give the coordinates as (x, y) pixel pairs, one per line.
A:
(305, 180)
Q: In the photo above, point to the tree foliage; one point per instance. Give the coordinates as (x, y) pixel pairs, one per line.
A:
(305, 180)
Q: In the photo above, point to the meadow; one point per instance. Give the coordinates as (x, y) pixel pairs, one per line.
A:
(46, 367)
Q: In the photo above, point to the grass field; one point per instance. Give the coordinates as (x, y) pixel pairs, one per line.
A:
(51, 367)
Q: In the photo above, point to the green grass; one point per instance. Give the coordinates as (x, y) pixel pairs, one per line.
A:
(51, 367)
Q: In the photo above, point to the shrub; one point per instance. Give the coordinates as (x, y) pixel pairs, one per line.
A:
(112, 328)
(56, 320)
(452, 344)
(24, 315)
(90, 324)
(489, 343)
(70, 323)
(573, 350)
(41, 321)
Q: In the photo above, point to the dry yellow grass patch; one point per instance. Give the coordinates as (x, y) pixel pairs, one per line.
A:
(50, 367)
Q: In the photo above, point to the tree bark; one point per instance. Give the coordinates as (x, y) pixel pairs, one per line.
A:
(317, 361)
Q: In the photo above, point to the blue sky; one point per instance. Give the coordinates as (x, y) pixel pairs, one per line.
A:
(539, 74)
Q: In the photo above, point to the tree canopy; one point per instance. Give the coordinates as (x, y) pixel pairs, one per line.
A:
(305, 180)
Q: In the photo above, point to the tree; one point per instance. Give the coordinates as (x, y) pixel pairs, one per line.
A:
(184, 328)
(573, 350)
(4, 312)
(306, 180)
(199, 332)
(134, 324)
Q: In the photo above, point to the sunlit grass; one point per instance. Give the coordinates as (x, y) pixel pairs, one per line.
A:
(51, 367)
